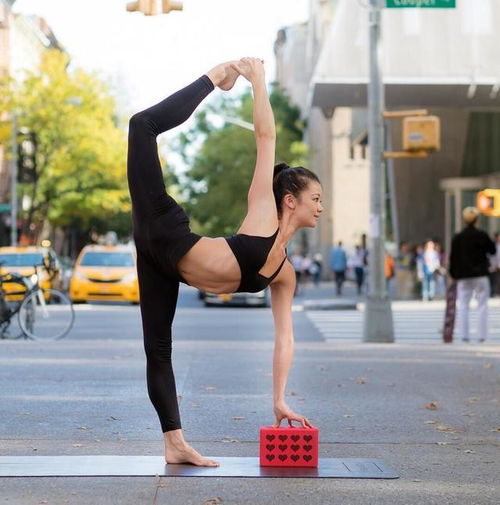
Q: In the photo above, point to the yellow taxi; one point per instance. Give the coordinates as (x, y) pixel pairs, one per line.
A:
(22, 260)
(105, 272)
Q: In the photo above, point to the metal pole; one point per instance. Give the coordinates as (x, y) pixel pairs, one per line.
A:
(392, 189)
(378, 326)
(13, 185)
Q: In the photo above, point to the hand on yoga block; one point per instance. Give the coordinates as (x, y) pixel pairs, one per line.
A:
(289, 446)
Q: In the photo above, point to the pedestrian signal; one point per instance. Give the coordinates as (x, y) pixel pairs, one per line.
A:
(147, 7)
(421, 133)
(488, 202)
(168, 6)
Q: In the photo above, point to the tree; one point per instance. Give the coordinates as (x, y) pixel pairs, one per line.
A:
(222, 167)
(81, 150)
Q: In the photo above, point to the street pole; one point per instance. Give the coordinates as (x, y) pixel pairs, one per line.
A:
(13, 185)
(378, 326)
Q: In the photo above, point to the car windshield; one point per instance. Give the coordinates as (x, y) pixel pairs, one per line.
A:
(21, 259)
(107, 259)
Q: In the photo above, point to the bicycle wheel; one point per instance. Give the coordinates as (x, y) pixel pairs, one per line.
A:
(46, 315)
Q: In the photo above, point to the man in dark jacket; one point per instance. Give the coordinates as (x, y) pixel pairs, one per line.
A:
(469, 266)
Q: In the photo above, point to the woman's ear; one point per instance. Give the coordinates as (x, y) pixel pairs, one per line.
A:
(290, 201)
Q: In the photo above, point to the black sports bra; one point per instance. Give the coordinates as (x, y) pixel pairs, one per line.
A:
(251, 252)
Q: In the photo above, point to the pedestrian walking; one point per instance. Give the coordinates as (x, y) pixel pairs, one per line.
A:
(428, 264)
(389, 266)
(495, 259)
(280, 201)
(316, 268)
(405, 272)
(338, 264)
(469, 263)
(357, 263)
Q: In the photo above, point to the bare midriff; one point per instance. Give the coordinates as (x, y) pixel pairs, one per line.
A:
(210, 265)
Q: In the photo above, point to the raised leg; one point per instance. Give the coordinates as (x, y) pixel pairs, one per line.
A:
(145, 177)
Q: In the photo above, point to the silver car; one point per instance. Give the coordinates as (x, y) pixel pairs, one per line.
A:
(260, 299)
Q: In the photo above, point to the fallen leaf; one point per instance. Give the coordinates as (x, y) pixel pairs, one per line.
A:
(82, 428)
(416, 480)
(209, 388)
(488, 366)
(77, 445)
(469, 414)
(472, 399)
(431, 406)
(430, 422)
(213, 501)
(293, 393)
(442, 427)
(470, 451)
(442, 443)
(495, 430)
(360, 380)
(238, 418)
(228, 439)
(113, 418)
(348, 415)
(34, 449)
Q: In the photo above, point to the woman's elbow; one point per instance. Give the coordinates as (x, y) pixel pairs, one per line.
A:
(268, 134)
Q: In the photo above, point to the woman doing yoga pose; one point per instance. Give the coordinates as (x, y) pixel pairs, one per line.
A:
(280, 200)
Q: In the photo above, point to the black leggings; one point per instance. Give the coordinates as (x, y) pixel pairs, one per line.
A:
(162, 236)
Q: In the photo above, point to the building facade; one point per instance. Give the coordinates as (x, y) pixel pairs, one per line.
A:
(444, 60)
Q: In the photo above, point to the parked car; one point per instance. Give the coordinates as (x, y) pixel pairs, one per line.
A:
(105, 272)
(22, 260)
(260, 299)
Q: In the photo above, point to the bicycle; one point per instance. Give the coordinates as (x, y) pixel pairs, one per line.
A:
(42, 314)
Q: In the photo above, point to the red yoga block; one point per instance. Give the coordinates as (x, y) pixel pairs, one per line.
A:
(289, 446)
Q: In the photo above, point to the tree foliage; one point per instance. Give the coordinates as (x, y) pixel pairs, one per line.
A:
(80, 155)
(221, 168)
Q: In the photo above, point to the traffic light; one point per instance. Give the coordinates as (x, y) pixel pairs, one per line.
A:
(147, 7)
(488, 202)
(26, 157)
(168, 6)
(421, 133)
(152, 7)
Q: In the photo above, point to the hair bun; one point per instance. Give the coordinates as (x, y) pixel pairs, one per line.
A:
(280, 167)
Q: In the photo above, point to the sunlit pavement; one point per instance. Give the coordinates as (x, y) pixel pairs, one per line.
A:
(428, 410)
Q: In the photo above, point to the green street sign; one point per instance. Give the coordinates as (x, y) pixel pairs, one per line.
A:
(4, 207)
(437, 4)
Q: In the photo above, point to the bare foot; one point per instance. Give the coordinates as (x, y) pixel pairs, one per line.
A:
(188, 455)
(223, 76)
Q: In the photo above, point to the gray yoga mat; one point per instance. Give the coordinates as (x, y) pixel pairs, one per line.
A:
(91, 466)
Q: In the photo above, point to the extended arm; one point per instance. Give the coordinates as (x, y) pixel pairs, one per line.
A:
(264, 127)
(282, 297)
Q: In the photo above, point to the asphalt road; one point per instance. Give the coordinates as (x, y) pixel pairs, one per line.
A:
(86, 394)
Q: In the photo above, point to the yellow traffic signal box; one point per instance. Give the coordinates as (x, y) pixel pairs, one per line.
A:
(488, 202)
(168, 6)
(421, 133)
(147, 7)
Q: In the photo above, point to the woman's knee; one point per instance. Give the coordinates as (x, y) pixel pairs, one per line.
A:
(141, 122)
(159, 351)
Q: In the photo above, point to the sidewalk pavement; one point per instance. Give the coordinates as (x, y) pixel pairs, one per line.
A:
(429, 412)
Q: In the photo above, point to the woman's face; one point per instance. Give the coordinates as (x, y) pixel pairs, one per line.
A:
(309, 206)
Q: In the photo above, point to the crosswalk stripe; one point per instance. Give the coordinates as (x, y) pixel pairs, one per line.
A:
(347, 326)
